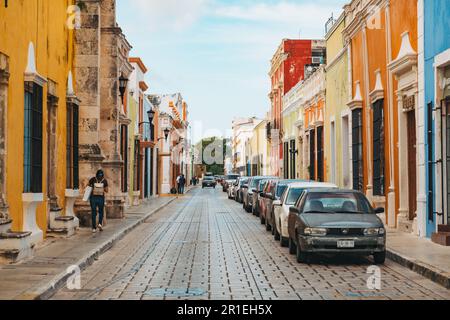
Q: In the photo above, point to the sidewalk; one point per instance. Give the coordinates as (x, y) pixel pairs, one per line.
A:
(39, 277)
(420, 255)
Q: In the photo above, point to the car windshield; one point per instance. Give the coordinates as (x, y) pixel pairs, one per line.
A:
(243, 181)
(255, 182)
(209, 178)
(262, 185)
(337, 202)
(232, 177)
(280, 190)
(293, 195)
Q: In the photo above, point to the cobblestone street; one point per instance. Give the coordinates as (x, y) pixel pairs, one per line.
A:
(205, 246)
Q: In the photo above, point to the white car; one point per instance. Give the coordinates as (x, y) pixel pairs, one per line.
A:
(289, 198)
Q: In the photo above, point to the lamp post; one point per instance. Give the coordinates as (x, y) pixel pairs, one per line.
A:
(123, 83)
(6, 3)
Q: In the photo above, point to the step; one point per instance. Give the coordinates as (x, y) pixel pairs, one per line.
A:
(444, 228)
(441, 238)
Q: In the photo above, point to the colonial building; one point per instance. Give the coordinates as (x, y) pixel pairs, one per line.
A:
(242, 132)
(288, 67)
(138, 126)
(433, 112)
(382, 36)
(258, 151)
(337, 122)
(38, 126)
(102, 67)
(171, 135)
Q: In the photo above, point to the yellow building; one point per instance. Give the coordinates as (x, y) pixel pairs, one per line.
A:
(290, 115)
(337, 115)
(38, 103)
(259, 150)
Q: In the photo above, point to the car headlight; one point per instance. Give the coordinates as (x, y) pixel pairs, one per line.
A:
(316, 232)
(374, 231)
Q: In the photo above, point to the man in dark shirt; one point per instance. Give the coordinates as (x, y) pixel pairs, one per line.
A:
(99, 187)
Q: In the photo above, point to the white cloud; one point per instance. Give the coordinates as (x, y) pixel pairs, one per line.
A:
(283, 12)
(172, 14)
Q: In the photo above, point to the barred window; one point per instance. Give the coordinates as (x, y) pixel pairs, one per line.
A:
(32, 165)
(286, 160)
(292, 161)
(312, 155)
(320, 155)
(72, 180)
(357, 150)
(378, 149)
(124, 154)
(137, 182)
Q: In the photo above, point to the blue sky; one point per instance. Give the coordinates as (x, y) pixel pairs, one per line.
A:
(217, 53)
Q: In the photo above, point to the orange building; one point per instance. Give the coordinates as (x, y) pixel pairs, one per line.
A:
(382, 36)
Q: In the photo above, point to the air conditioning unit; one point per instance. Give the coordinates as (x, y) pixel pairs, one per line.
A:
(316, 60)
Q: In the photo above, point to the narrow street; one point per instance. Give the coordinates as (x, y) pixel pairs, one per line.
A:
(205, 246)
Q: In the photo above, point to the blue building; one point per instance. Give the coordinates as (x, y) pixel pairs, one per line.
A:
(434, 93)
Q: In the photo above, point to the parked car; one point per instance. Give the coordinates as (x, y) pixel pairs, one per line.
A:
(209, 182)
(257, 195)
(247, 192)
(232, 190)
(336, 221)
(288, 199)
(239, 189)
(228, 180)
(273, 191)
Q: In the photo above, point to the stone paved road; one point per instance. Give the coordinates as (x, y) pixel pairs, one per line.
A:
(205, 246)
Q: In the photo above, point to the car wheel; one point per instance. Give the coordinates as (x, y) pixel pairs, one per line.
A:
(284, 242)
(292, 246)
(268, 226)
(379, 257)
(276, 234)
(302, 257)
(261, 218)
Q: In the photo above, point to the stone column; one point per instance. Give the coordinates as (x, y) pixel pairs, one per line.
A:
(52, 106)
(5, 220)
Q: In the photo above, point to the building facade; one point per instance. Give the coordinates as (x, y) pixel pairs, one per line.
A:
(292, 60)
(383, 40)
(337, 121)
(434, 113)
(38, 126)
(242, 133)
(101, 59)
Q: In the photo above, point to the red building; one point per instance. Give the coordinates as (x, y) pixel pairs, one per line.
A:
(288, 69)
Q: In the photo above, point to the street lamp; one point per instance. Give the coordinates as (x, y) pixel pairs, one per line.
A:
(123, 82)
(6, 3)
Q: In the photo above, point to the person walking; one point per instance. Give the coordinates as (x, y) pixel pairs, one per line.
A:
(181, 181)
(99, 187)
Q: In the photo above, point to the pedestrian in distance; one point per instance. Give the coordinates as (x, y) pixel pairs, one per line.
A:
(99, 187)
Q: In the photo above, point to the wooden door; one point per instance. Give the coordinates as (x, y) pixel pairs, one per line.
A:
(412, 174)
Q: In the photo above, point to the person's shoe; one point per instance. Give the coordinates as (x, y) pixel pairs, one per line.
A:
(94, 231)
(100, 227)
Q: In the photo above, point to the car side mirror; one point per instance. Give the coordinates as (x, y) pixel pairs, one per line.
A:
(277, 203)
(294, 210)
(379, 210)
(245, 186)
(255, 191)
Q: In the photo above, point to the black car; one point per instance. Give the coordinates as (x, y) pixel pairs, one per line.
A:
(273, 191)
(209, 182)
(336, 221)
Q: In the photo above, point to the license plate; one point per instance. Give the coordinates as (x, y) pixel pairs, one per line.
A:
(346, 244)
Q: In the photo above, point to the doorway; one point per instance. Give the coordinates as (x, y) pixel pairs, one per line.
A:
(412, 163)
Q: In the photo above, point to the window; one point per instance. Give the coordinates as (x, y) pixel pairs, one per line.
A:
(430, 139)
(72, 177)
(378, 149)
(137, 182)
(286, 160)
(124, 153)
(346, 151)
(292, 164)
(333, 151)
(357, 146)
(320, 155)
(33, 138)
(312, 155)
(293, 196)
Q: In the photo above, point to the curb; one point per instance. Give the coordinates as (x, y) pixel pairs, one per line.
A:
(46, 291)
(432, 273)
